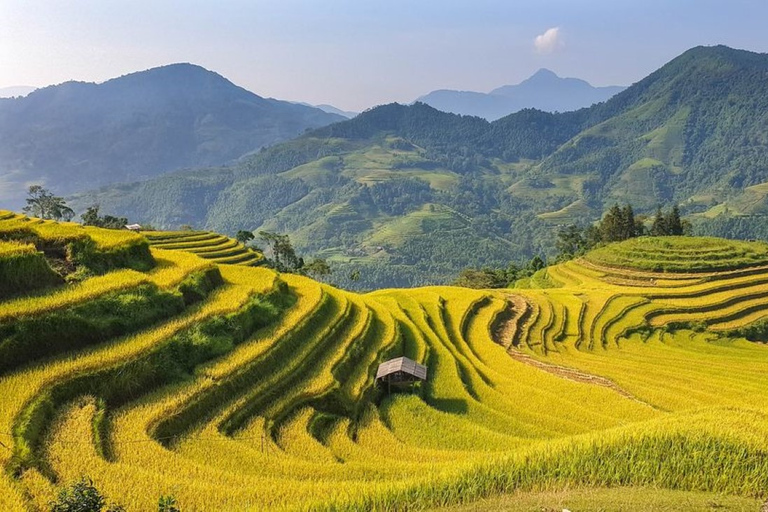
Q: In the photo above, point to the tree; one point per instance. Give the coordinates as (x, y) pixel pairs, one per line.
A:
(673, 222)
(244, 237)
(612, 225)
(482, 278)
(284, 258)
(82, 496)
(43, 204)
(536, 264)
(570, 242)
(354, 276)
(91, 217)
(318, 267)
(659, 226)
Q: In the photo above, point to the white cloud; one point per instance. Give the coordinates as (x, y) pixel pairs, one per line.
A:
(549, 41)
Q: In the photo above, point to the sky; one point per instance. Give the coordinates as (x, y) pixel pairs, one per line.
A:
(355, 54)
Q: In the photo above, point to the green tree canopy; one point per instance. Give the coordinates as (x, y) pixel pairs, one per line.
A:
(43, 204)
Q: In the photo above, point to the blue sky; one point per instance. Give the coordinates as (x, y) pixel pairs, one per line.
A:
(358, 53)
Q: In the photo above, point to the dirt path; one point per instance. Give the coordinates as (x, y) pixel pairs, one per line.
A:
(504, 333)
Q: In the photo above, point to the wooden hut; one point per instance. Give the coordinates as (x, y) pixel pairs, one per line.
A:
(400, 372)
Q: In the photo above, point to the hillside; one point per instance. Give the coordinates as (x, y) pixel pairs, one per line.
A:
(544, 90)
(410, 195)
(79, 135)
(232, 387)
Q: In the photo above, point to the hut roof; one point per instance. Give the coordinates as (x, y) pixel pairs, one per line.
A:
(402, 364)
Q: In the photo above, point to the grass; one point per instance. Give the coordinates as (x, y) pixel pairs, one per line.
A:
(597, 387)
(211, 246)
(611, 500)
(681, 254)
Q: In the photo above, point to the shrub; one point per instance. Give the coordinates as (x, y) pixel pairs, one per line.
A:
(82, 496)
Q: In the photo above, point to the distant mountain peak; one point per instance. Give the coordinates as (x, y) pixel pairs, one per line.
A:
(544, 90)
(543, 73)
(76, 134)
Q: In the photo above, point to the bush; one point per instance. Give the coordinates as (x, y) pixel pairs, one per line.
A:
(167, 504)
(82, 496)
(97, 320)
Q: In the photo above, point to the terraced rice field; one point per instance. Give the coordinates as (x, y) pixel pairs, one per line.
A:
(207, 245)
(254, 391)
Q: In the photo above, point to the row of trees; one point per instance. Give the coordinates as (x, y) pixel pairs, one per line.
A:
(489, 277)
(281, 255)
(91, 217)
(620, 223)
(44, 204)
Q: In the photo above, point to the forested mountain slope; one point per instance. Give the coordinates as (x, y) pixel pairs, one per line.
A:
(76, 135)
(411, 194)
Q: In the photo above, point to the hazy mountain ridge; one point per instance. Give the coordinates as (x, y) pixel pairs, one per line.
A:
(76, 135)
(544, 90)
(412, 194)
(331, 109)
(16, 90)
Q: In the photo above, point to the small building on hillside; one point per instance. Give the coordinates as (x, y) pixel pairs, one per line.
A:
(400, 372)
(133, 227)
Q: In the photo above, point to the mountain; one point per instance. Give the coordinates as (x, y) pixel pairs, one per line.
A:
(333, 110)
(330, 109)
(410, 195)
(76, 135)
(18, 90)
(543, 91)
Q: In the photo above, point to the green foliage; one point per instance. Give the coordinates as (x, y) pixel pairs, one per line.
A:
(82, 496)
(167, 504)
(77, 136)
(670, 224)
(482, 278)
(317, 268)
(23, 272)
(283, 256)
(168, 362)
(619, 224)
(116, 314)
(91, 217)
(244, 237)
(513, 273)
(43, 204)
(86, 256)
(694, 127)
(757, 331)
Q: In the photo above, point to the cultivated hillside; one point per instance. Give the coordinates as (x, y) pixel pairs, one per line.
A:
(76, 135)
(544, 90)
(411, 195)
(233, 387)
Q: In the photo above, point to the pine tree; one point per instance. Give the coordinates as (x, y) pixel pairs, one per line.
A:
(628, 227)
(659, 226)
(673, 222)
(611, 225)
